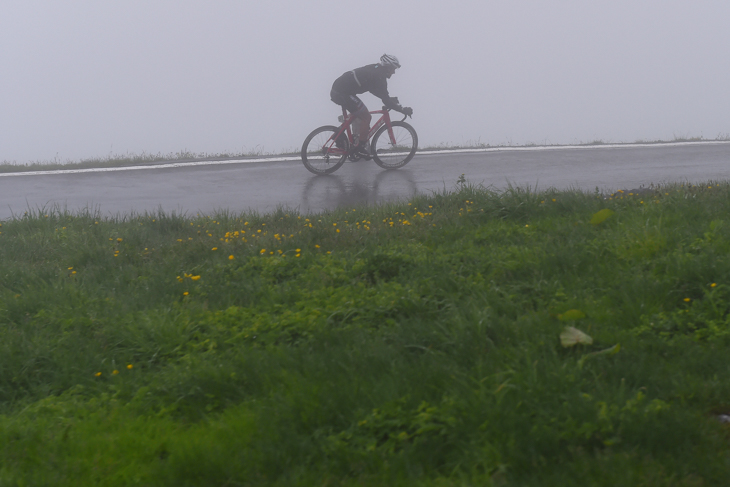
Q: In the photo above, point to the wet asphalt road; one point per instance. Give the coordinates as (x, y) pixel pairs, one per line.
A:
(264, 186)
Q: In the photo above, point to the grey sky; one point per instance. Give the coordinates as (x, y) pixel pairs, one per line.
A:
(84, 78)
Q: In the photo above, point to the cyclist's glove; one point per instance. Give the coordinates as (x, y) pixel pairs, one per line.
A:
(407, 111)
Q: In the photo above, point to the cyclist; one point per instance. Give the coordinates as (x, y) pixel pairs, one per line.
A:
(371, 78)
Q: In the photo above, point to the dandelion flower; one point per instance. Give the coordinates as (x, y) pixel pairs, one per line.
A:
(130, 366)
(185, 293)
(687, 300)
(299, 250)
(115, 372)
(194, 278)
(98, 374)
(231, 257)
(713, 284)
(214, 248)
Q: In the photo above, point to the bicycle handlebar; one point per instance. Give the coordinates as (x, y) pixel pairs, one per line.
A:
(389, 109)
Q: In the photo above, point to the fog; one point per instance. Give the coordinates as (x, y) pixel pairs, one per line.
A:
(83, 79)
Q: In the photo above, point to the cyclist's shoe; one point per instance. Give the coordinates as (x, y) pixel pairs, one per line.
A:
(362, 150)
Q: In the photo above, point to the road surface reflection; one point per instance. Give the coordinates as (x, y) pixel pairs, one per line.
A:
(361, 188)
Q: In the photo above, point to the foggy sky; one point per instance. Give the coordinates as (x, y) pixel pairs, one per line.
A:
(85, 79)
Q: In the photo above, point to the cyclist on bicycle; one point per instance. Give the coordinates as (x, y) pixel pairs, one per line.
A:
(371, 78)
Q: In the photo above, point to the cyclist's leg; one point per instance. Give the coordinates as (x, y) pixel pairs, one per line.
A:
(353, 104)
(343, 101)
(361, 127)
(361, 123)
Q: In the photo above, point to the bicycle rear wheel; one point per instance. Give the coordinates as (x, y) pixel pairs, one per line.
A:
(392, 154)
(321, 154)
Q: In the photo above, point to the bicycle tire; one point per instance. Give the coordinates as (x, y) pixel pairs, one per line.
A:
(319, 153)
(388, 156)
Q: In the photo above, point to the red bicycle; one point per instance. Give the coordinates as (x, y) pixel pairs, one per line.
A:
(327, 148)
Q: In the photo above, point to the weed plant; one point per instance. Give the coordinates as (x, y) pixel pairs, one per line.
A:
(416, 343)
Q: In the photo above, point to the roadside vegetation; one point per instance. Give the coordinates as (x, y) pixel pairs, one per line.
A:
(471, 337)
(121, 160)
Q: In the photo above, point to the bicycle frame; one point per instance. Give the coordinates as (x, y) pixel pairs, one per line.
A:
(346, 128)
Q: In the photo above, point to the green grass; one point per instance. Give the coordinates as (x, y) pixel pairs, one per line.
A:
(130, 159)
(415, 343)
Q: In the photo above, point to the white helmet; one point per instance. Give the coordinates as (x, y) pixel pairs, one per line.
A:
(388, 60)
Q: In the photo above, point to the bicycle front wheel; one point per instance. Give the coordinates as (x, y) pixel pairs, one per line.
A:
(395, 152)
(321, 154)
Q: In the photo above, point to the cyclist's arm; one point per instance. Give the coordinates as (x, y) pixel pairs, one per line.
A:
(381, 91)
(390, 102)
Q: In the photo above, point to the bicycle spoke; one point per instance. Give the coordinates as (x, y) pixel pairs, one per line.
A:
(394, 153)
(321, 154)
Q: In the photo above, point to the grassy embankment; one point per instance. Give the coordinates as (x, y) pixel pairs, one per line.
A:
(410, 344)
(122, 160)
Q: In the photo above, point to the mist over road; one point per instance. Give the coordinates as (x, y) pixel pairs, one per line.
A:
(265, 186)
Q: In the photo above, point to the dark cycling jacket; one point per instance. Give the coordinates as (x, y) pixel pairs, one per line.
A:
(372, 78)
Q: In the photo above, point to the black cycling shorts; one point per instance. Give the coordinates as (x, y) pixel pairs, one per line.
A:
(351, 102)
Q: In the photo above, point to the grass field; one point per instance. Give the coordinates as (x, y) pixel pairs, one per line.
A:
(419, 343)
